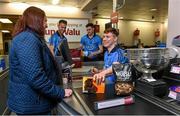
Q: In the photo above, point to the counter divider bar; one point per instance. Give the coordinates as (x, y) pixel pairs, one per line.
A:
(158, 103)
(68, 109)
(174, 79)
(6, 112)
(4, 74)
(85, 107)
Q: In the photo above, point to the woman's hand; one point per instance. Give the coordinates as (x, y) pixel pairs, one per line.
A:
(68, 92)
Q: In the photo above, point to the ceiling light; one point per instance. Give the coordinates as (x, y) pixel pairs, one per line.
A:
(153, 9)
(5, 31)
(4, 20)
(55, 2)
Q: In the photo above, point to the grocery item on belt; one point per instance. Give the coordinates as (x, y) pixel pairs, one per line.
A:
(90, 86)
(174, 92)
(124, 76)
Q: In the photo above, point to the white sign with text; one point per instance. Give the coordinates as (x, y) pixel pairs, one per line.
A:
(76, 28)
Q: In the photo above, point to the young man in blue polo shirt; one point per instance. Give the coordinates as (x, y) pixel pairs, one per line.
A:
(114, 54)
(58, 43)
(91, 44)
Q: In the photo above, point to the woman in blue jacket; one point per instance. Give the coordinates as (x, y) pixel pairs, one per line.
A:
(33, 70)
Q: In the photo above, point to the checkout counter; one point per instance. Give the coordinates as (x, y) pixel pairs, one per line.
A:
(80, 103)
(83, 104)
(145, 104)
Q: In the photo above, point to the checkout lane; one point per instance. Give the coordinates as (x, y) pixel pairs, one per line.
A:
(140, 107)
(80, 103)
(144, 104)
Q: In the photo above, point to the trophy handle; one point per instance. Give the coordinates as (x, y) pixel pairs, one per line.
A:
(176, 52)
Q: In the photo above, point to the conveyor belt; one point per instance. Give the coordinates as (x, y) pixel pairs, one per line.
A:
(140, 107)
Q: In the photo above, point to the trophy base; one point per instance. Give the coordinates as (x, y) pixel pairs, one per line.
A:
(154, 88)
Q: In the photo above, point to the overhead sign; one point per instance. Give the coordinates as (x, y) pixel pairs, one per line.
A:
(76, 28)
(114, 17)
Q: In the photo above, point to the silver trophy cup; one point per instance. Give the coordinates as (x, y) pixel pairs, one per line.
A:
(149, 60)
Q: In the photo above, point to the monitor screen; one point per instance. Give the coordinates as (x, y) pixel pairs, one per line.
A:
(65, 52)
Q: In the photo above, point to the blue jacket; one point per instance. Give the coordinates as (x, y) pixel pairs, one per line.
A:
(33, 75)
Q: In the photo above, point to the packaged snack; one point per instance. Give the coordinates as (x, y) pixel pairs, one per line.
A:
(89, 86)
(124, 76)
(174, 92)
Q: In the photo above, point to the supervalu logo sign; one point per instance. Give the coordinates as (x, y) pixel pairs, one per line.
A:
(76, 28)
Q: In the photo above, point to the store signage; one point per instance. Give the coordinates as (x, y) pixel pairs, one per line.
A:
(114, 17)
(76, 28)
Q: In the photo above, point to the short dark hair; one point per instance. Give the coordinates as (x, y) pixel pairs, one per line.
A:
(90, 25)
(63, 21)
(112, 30)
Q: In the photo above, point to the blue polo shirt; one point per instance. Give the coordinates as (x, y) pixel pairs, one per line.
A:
(116, 55)
(55, 40)
(92, 44)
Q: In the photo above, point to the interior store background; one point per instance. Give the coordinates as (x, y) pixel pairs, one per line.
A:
(134, 14)
(98, 12)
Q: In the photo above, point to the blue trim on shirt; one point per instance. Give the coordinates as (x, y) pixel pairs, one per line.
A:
(115, 55)
(92, 44)
(55, 40)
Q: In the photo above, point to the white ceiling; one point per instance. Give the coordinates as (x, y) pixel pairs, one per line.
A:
(132, 9)
(137, 9)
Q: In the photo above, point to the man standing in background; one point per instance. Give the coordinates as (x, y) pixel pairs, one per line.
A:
(91, 44)
(58, 42)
